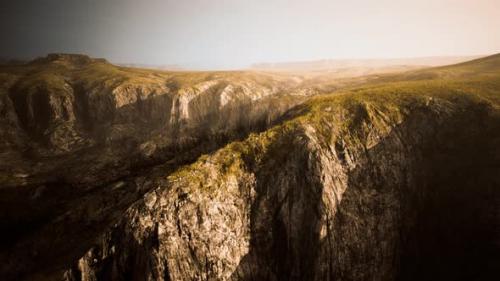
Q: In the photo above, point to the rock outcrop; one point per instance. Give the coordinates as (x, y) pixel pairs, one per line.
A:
(238, 176)
(63, 105)
(71, 126)
(356, 190)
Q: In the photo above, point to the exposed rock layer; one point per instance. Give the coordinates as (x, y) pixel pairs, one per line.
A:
(72, 126)
(393, 181)
(64, 105)
(399, 193)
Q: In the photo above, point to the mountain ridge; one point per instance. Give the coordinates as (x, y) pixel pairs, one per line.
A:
(335, 185)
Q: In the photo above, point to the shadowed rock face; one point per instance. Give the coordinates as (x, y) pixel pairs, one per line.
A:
(72, 125)
(62, 105)
(72, 122)
(377, 201)
(168, 176)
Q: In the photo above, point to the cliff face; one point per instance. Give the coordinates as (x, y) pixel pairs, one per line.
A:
(390, 181)
(63, 105)
(72, 126)
(354, 189)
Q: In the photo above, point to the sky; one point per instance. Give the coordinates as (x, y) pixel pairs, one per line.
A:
(231, 34)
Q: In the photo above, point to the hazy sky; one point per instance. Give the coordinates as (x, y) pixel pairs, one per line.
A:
(236, 33)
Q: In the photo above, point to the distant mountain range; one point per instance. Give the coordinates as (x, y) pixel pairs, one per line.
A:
(172, 67)
(336, 64)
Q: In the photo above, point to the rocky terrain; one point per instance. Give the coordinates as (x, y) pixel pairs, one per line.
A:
(113, 173)
(64, 104)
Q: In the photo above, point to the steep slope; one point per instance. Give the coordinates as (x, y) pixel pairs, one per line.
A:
(72, 127)
(61, 105)
(397, 183)
(393, 180)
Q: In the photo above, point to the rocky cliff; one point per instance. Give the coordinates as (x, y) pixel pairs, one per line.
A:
(393, 180)
(63, 105)
(71, 125)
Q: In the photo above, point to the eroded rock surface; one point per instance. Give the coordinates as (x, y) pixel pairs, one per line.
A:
(354, 195)
(72, 128)
(127, 174)
(62, 105)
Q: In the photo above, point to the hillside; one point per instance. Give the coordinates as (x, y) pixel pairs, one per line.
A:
(481, 68)
(390, 177)
(63, 105)
(361, 66)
